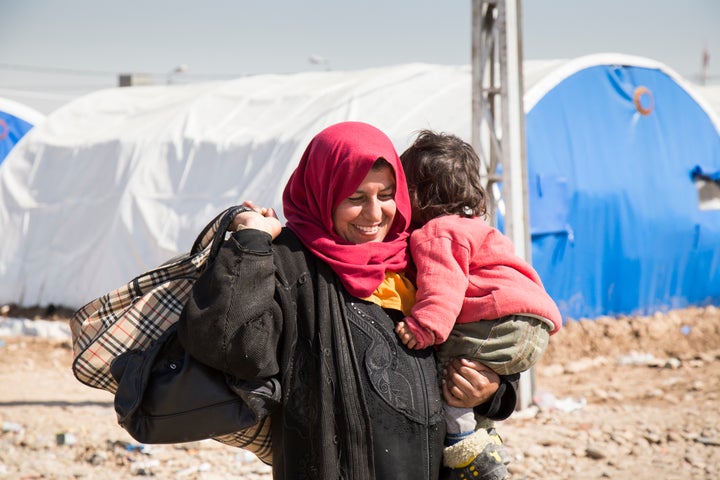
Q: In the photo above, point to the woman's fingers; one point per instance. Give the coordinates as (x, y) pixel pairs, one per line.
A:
(259, 218)
(452, 396)
(270, 212)
(264, 211)
(468, 383)
(457, 383)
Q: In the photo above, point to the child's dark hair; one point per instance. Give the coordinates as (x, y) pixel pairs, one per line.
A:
(443, 175)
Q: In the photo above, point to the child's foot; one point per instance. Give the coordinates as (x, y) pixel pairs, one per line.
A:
(481, 456)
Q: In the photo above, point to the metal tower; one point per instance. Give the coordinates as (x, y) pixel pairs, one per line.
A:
(498, 125)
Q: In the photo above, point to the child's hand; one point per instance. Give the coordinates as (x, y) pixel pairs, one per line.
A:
(405, 335)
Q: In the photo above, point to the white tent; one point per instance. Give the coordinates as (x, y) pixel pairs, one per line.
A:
(121, 180)
(711, 94)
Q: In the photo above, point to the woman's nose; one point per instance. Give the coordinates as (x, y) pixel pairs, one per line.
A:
(373, 210)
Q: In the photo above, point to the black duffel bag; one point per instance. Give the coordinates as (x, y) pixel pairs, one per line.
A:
(164, 395)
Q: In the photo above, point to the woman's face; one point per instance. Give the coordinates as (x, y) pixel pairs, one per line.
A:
(367, 214)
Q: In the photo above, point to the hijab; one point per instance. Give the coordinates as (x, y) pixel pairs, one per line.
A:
(334, 164)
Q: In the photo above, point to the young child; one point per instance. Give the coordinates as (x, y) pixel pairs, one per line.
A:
(475, 297)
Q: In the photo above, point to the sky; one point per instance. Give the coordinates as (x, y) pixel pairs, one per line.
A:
(52, 51)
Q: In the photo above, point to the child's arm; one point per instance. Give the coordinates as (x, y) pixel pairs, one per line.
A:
(442, 280)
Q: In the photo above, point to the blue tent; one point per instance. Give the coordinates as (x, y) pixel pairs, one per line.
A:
(624, 189)
(15, 121)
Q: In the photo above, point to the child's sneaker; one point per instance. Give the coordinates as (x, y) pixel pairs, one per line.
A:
(481, 456)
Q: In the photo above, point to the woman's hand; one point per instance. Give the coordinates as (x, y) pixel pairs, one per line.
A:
(468, 383)
(260, 218)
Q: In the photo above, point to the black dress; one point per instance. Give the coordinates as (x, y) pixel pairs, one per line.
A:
(356, 404)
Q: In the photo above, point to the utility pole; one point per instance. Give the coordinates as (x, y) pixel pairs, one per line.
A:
(498, 126)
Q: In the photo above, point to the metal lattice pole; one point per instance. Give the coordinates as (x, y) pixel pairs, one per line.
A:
(498, 129)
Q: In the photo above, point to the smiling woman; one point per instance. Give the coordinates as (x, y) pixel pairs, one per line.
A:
(314, 304)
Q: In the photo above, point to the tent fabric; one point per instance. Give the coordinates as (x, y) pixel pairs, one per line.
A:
(698, 172)
(711, 95)
(615, 218)
(120, 180)
(16, 120)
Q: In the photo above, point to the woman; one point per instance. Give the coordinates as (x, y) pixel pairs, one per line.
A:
(315, 304)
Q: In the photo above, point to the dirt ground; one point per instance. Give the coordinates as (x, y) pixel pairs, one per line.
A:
(635, 397)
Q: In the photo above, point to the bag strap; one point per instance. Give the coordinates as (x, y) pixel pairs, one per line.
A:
(214, 232)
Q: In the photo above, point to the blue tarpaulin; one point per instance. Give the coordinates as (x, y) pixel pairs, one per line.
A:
(12, 129)
(616, 227)
(15, 121)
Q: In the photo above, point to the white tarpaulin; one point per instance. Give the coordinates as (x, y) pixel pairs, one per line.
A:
(121, 180)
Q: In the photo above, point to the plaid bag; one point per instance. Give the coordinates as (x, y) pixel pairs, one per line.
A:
(138, 313)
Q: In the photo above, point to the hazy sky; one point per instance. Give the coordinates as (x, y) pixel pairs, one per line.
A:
(54, 50)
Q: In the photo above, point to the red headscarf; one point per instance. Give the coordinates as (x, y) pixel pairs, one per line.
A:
(332, 167)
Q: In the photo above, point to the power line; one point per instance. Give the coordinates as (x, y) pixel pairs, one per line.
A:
(55, 70)
(99, 73)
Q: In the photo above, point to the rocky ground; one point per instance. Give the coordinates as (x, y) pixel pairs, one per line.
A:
(635, 397)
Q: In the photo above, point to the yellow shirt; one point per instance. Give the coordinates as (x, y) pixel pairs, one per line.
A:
(395, 292)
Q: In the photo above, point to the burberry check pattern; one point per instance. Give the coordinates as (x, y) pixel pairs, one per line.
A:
(136, 314)
(130, 318)
(258, 440)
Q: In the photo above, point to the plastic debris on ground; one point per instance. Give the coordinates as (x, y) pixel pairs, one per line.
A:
(17, 327)
(65, 439)
(547, 401)
(144, 468)
(12, 427)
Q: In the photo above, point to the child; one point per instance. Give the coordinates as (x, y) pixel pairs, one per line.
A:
(475, 297)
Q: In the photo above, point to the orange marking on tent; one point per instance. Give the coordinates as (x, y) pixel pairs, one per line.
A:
(4, 129)
(638, 97)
